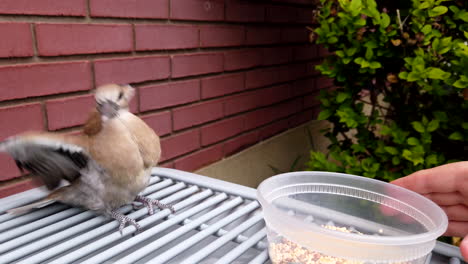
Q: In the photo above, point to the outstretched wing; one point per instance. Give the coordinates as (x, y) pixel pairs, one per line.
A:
(49, 156)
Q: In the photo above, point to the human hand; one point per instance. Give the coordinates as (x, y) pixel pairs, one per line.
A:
(446, 185)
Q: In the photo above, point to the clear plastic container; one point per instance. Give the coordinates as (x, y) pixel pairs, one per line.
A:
(324, 217)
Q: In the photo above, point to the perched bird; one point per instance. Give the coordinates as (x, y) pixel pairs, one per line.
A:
(107, 165)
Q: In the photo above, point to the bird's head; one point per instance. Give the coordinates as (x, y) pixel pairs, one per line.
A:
(111, 98)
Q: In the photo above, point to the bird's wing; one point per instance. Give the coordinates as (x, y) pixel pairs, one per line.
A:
(51, 157)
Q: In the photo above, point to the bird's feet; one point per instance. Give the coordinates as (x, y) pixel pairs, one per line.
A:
(123, 220)
(149, 203)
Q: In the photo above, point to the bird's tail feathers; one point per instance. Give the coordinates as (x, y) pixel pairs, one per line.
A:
(24, 209)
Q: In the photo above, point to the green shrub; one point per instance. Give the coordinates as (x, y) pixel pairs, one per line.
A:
(411, 59)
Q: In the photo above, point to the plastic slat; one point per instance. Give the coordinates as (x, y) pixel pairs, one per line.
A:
(243, 247)
(210, 248)
(142, 252)
(167, 255)
(156, 229)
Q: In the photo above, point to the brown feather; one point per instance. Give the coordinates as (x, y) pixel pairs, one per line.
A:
(94, 124)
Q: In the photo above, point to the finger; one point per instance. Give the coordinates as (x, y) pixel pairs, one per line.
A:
(446, 199)
(442, 179)
(456, 228)
(457, 213)
(464, 248)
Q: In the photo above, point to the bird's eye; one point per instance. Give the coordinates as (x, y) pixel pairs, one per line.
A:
(120, 96)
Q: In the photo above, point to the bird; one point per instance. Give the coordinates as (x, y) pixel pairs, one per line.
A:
(106, 165)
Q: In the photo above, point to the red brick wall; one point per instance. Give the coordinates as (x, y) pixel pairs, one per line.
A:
(212, 76)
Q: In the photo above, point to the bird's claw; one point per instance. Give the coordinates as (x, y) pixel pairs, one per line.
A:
(123, 220)
(149, 203)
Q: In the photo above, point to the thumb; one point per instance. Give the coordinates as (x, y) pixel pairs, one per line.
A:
(464, 248)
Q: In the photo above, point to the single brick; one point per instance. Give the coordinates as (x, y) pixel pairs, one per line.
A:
(169, 94)
(242, 59)
(200, 158)
(44, 7)
(273, 56)
(130, 8)
(273, 129)
(191, 115)
(221, 36)
(17, 119)
(222, 85)
(242, 11)
(239, 143)
(323, 83)
(212, 10)
(18, 186)
(306, 52)
(221, 130)
(293, 72)
(68, 112)
(262, 77)
(311, 101)
(165, 37)
(305, 86)
(263, 35)
(282, 14)
(257, 98)
(161, 122)
(303, 117)
(179, 144)
(266, 115)
(131, 69)
(196, 64)
(305, 15)
(298, 34)
(16, 41)
(27, 80)
(67, 39)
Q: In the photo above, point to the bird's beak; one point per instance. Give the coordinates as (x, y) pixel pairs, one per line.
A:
(108, 109)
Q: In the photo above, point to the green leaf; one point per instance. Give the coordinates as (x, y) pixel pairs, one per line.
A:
(341, 97)
(438, 74)
(465, 125)
(395, 160)
(456, 136)
(324, 114)
(375, 65)
(441, 116)
(433, 125)
(340, 53)
(460, 84)
(418, 126)
(385, 21)
(413, 141)
(424, 5)
(426, 29)
(431, 160)
(332, 40)
(351, 51)
(391, 150)
(412, 76)
(369, 54)
(437, 11)
(355, 7)
(403, 75)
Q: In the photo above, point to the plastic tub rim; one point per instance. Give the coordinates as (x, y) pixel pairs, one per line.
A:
(380, 240)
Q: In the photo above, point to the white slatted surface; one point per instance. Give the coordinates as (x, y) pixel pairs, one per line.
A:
(215, 222)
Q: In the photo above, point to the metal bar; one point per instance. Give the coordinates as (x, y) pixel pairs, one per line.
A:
(260, 258)
(103, 241)
(202, 234)
(45, 231)
(143, 251)
(211, 183)
(49, 253)
(28, 218)
(115, 250)
(240, 249)
(221, 232)
(213, 246)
